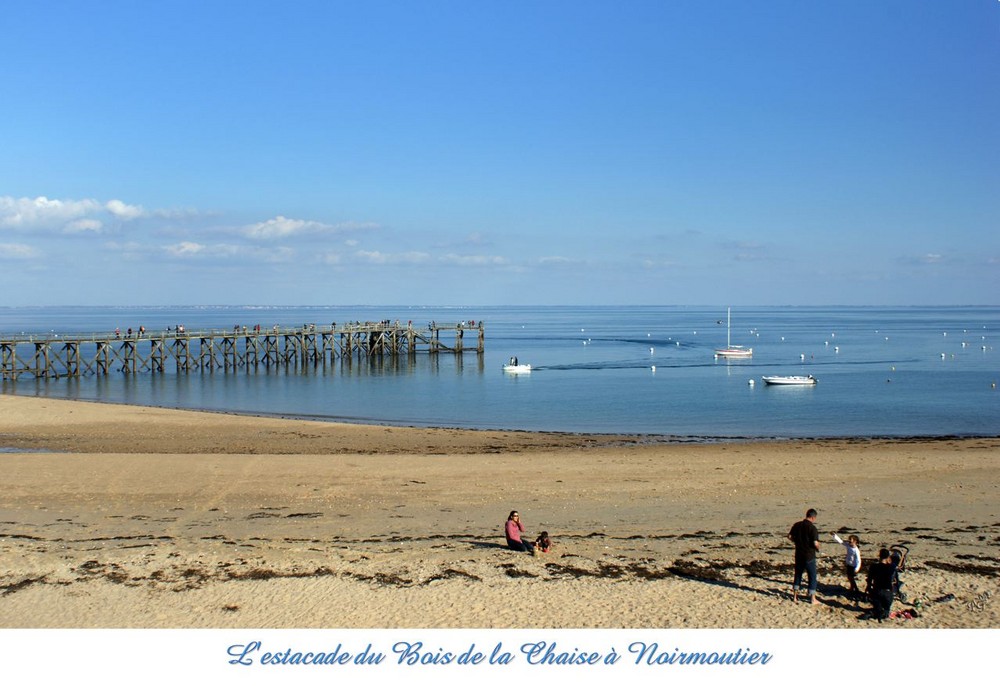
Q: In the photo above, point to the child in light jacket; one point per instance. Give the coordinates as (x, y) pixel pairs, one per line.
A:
(852, 562)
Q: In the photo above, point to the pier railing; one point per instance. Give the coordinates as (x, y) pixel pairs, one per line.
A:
(240, 348)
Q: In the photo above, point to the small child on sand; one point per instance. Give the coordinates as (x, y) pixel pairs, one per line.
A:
(543, 543)
(852, 562)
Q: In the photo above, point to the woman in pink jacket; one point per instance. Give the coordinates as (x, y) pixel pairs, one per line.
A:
(513, 530)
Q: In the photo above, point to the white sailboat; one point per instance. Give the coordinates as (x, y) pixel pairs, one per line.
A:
(731, 350)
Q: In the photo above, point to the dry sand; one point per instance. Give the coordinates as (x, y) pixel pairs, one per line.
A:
(118, 516)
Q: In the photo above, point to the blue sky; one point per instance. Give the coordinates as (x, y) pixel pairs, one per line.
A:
(449, 153)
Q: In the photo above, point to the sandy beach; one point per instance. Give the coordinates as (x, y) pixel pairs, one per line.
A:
(119, 516)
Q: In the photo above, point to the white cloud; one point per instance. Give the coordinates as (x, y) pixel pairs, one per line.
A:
(751, 257)
(280, 227)
(929, 259)
(659, 263)
(556, 260)
(474, 260)
(123, 211)
(185, 249)
(417, 257)
(283, 227)
(67, 216)
(377, 257)
(129, 249)
(193, 250)
(17, 251)
(40, 212)
(84, 226)
(280, 254)
(475, 238)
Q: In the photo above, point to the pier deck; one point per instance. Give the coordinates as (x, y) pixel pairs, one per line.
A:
(54, 355)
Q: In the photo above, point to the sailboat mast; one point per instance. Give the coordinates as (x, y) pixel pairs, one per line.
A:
(729, 321)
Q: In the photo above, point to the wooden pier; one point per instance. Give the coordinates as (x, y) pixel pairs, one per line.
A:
(50, 356)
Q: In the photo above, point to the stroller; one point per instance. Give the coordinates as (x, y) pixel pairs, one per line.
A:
(898, 555)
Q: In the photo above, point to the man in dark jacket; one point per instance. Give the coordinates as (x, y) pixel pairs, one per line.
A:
(806, 539)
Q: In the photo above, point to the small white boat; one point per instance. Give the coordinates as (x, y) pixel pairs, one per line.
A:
(789, 380)
(517, 368)
(731, 350)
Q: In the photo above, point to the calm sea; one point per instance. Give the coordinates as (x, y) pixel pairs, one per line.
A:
(914, 371)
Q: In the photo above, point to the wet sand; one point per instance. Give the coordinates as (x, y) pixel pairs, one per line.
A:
(119, 516)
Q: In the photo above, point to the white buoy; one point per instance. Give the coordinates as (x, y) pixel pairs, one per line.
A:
(653, 368)
(651, 350)
(802, 357)
(750, 382)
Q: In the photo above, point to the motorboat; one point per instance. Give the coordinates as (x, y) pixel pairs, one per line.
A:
(517, 368)
(733, 351)
(789, 380)
(513, 367)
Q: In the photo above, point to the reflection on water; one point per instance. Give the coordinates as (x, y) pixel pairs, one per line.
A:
(649, 370)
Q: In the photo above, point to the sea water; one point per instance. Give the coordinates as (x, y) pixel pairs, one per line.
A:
(894, 372)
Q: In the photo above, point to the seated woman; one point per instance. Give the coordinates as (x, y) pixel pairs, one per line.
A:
(513, 530)
(879, 586)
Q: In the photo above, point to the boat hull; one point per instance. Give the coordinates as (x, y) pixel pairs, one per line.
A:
(734, 352)
(789, 380)
(517, 368)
